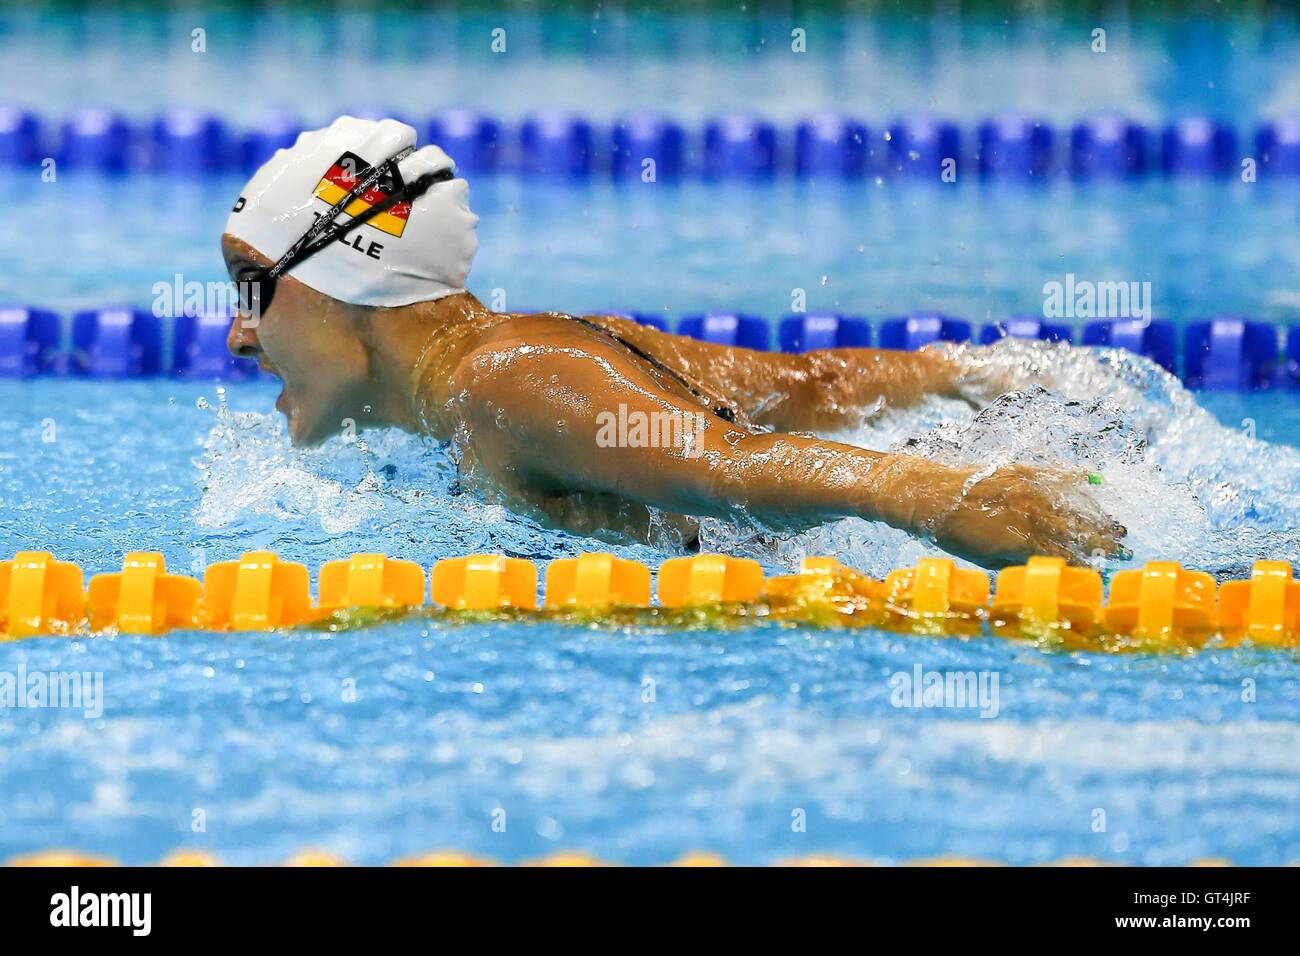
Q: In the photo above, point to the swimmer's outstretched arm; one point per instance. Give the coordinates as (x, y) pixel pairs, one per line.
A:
(813, 391)
(535, 416)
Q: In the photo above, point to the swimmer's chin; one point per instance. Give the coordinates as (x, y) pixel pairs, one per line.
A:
(303, 432)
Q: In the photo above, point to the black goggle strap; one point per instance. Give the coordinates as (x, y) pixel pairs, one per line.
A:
(408, 193)
(365, 183)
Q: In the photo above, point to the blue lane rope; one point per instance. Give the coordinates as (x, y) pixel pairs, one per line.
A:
(1227, 352)
(558, 145)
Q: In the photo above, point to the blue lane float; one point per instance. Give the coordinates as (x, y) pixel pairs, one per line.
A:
(20, 137)
(727, 328)
(1014, 147)
(1156, 340)
(739, 147)
(199, 350)
(639, 138)
(1108, 146)
(919, 144)
(822, 330)
(471, 139)
(116, 343)
(557, 145)
(917, 331)
(96, 139)
(832, 146)
(1006, 147)
(1291, 370)
(189, 141)
(1025, 327)
(1278, 147)
(1229, 352)
(30, 341)
(1199, 146)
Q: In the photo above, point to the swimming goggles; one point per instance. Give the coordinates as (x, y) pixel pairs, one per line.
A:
(256, 284)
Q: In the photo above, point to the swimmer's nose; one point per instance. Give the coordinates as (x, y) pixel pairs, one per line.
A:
(242, 341)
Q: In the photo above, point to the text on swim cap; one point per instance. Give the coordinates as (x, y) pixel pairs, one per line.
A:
(355, 241)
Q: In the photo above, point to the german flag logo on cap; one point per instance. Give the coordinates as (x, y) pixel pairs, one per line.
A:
(341, 177)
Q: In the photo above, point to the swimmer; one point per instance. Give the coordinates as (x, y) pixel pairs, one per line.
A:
(351, 252)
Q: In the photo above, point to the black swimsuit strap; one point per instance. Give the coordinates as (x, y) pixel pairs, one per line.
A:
(725, 412)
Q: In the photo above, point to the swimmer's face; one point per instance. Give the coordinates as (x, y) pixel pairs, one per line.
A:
(311, 343)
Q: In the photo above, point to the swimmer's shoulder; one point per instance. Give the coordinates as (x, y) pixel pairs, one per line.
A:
(540, 328)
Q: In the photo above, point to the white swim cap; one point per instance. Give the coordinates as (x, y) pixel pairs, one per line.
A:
(412, 252)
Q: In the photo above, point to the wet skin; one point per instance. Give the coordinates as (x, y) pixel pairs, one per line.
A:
(528, 400)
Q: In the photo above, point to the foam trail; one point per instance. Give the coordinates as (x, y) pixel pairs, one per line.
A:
(1187, 487)
(385, 491)
(248, 467)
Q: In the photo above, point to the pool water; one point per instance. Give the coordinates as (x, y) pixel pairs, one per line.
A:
(877, 250)
(618, 57)
(758, 743)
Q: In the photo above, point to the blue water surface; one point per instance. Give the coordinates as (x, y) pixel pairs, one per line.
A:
(760, 743)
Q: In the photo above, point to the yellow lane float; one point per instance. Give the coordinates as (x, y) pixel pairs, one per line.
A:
(143, 598)
(1264, 609)
(826, 592)
(259, 592)
(483, 582)
(597, 580)
(709, 579)
(1045, 596)
(937, 596)
(1159, 606)
(370, 580)
(40, 595)
(1162, 604)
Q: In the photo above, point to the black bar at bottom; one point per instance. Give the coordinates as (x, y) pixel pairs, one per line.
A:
(333, 905)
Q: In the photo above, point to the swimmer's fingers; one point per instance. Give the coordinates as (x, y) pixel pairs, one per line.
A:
(1094, 533)
(1107, 545)
(978, 381)
(1018, 512)
(1070, 524)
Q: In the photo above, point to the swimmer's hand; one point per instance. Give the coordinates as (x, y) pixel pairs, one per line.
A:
(1015, 513)
(977, 378)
